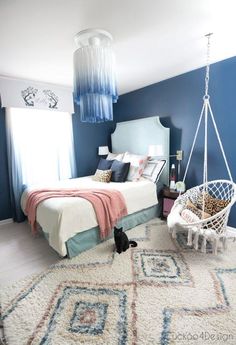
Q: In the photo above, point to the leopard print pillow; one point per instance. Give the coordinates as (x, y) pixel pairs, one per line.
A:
(198, 212)
(102, 175)
(212, 205)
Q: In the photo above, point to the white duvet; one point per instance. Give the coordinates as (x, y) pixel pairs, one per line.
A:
(62, 218)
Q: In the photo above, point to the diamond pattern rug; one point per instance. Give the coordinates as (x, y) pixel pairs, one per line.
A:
(160, 292)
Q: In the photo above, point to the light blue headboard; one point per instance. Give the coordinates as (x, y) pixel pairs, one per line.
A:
(136, 135)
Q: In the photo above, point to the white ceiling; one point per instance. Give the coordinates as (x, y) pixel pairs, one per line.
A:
(153, 39)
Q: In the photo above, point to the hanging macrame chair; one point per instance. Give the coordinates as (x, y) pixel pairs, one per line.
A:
(219, 193)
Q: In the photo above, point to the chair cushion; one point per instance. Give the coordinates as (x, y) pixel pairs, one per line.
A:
(212, 205)
(198, 212)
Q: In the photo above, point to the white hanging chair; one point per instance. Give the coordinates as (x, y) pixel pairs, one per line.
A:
(214, 227)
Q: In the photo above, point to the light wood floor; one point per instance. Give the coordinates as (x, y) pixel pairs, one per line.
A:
(21, 254)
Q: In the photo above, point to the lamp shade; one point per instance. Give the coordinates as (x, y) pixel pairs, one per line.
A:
(103, 150)
(94, 75)
(155, 150)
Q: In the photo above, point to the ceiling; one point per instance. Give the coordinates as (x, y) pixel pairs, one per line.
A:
(153, 39)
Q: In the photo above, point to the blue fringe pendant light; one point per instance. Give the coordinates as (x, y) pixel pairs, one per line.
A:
(94, 76)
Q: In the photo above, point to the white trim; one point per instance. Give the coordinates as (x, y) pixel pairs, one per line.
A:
(6, 221)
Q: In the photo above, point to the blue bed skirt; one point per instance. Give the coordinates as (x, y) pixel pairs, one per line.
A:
(90, 238)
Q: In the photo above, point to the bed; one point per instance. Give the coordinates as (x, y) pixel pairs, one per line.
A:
(70, 224)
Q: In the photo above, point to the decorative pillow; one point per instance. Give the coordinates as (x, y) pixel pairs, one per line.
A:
(212, 205)
(189, 216)
(153, 169)
(104, 164)
(117, 156)
(120, 171)
(137, 165)
(198, 212)
(102, 175)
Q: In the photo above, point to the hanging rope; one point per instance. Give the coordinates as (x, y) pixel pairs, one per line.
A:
(206, 102)
(204, 113)
(207, 77)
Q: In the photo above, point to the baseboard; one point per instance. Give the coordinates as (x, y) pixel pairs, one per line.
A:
(6, 221)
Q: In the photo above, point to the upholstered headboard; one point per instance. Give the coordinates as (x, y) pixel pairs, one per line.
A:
(136, 135)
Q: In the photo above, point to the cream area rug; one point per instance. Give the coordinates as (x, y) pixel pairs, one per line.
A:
(161, 292)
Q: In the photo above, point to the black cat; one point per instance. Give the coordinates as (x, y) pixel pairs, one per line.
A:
(121, 240)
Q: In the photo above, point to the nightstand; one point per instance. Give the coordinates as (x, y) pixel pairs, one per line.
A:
(169, 197)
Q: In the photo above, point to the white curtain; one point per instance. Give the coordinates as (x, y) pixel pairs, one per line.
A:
(40, 147)
(43, 142)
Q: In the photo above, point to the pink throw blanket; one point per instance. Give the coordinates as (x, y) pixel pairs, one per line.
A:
(109, 205)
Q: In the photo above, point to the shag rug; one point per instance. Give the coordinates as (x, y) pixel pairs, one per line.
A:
(161, 292)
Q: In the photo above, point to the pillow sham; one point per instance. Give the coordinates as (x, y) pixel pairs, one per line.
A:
(137, 165)
(117, 156)
(102, 175)
(153, 169)
(120, 171)
(104, 164)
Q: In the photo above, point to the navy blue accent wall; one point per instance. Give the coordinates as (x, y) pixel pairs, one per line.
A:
(178, 101)
(5, 209)
(88, 137)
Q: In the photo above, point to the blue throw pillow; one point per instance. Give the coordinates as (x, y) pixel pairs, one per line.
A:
(119, 171)
(104, 164)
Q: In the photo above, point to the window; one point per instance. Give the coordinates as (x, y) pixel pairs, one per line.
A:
(42, 142)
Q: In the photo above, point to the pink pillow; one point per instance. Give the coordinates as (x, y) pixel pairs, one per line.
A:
(137, 165)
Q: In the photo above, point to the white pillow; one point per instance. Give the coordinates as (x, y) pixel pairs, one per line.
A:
(137, 165)
(154, 169)
(117, 156)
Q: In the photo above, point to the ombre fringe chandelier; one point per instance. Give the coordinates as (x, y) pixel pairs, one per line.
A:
(94, 75)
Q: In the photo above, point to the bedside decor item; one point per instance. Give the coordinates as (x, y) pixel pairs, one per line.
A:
(179, 157)
(180, 186)
(155, 151)
(94, 75)
(103, 150)
(215, 227)
(172, 177)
